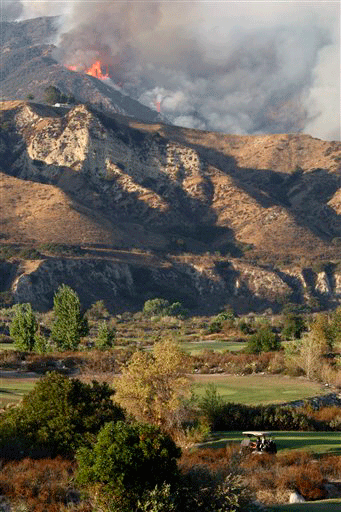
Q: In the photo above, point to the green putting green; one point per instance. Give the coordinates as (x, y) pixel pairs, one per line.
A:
(195, 347)
(13, 389)
(316, 442)
(258, 389)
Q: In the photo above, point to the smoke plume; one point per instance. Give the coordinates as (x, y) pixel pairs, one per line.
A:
(246, 68)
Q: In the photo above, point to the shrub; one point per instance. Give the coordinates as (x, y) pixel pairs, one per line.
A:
(264, 340)
(106, 336)
(159, 499)
(203, 489)
(162, 307)
(40, 344)
(129, 459)
(211, 404)
(294, 326)
(154, 307)
(263, 417)
(56, 417)
(40, 485)
(30, 253)
(52, 95)
(97, 311)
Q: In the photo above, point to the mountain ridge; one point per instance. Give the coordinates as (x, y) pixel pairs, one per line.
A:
(76, 175)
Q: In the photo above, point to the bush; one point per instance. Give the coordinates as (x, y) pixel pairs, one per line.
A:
(41, 485)
(263, 417)
(211, 404)
(154, 307)
(294, 326)
(106, 336)
(203, 490)
(52, 95)
(129, 459)
(264, 340)
(57, 417)
(162, 307)
(97, 311)
(159, 499)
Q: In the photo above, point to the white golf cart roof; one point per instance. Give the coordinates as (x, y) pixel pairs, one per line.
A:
(257, 434)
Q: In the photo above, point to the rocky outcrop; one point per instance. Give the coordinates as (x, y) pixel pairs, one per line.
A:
(78, 176)
(125, 283)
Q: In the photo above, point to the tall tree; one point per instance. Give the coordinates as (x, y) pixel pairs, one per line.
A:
(24, 327)
(70, 324)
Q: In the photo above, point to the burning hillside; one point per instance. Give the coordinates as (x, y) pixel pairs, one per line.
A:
(95, 70)
(28, 67)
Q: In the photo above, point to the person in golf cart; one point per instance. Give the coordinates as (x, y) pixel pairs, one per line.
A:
(258, 442)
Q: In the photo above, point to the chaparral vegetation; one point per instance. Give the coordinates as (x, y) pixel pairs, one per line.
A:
(134, 412)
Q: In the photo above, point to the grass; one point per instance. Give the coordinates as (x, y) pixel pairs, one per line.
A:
(309, 506)
(327, 443)
(7, 346)
(195, 347)
(258, 389)
(12, 389)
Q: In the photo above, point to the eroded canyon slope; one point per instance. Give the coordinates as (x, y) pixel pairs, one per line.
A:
(158, 210)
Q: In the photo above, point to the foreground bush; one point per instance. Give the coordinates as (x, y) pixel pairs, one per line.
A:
(207, 491)
(127, 460)
(271, 478)
(39, 485)
(56, 417)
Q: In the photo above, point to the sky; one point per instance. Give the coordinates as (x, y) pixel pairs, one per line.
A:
(241, 67)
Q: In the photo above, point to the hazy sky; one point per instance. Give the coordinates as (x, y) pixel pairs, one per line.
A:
(238, 67)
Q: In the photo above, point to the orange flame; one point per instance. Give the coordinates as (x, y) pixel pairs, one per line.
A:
(96, 70)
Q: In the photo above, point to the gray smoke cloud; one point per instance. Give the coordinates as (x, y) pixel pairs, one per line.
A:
(10, 10)
(247, 68)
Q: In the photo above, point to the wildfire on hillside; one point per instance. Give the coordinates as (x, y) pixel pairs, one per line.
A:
(96, 70)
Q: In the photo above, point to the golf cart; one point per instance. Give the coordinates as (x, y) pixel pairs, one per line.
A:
(258, 442)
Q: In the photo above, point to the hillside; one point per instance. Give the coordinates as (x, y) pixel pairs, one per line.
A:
(265, 207)
(28, 66)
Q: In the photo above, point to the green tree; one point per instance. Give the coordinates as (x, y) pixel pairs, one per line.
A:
(264, 340)
(294, 326)
(162, 307)
(129, 459)
(70, 324)
(152, 386)
(211, 404)
(106, 336)
(40, 343)
(327, 327)
(154, 307)
(52, 95)
(57, 417)
(24, 327)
